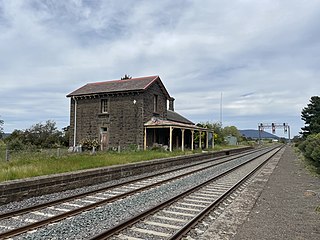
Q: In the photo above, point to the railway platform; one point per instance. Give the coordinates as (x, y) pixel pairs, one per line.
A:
(281, 203)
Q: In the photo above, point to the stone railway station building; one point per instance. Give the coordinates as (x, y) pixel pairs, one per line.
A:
(122, 113)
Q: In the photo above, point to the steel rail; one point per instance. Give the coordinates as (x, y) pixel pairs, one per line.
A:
(28, 227)
(125, 224)
(193, 222)
(73, 197)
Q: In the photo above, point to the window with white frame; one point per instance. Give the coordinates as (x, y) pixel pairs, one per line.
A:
(104, 106)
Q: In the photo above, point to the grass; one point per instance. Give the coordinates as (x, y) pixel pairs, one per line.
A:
(34, 164)
(39, 163)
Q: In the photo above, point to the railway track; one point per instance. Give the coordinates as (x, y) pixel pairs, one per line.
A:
(24, 220)
(174, 218)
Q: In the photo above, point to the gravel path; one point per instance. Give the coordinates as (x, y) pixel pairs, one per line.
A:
(286, 208)
(279, 204)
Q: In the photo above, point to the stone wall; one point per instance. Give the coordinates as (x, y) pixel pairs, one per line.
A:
(124, 121)
(148, 103)
(126, 126)
(88, 110)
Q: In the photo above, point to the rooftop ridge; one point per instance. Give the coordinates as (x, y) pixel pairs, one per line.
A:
(124, 85)
(122, 80)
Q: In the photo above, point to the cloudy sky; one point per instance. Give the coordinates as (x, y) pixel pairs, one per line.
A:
(262, 56)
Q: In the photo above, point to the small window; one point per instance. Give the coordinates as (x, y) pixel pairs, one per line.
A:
(104, 106)
(155, 103)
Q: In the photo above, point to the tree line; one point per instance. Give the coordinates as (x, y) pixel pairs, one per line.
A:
(40, 135)
(46, 135)
(220, 133)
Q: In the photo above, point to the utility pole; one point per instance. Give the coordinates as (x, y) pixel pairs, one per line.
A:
(221, 109)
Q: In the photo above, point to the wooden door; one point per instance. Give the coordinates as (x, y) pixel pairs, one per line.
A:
(104, 141)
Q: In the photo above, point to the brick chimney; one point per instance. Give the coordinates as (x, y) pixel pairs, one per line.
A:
(171, 103)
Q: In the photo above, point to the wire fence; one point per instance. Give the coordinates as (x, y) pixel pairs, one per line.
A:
(13, 155)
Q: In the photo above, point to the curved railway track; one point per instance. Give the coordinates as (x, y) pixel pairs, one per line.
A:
(24, 220)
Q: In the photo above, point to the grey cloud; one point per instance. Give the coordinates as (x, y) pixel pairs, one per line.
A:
(199, 50)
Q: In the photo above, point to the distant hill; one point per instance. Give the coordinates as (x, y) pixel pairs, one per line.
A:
(254, 134)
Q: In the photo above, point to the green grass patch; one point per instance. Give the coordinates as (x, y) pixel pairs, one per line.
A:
(25, 165)
(38, 163)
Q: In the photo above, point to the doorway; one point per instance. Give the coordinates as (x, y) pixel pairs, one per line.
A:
(104, 139)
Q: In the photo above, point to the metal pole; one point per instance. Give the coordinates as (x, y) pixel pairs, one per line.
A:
(221, 110)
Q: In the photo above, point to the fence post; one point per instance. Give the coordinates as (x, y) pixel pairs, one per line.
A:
(58, 152)
(7, 154)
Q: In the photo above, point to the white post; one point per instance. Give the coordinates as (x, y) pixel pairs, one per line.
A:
(207, 139)
(145, 139)
(182, 140)
(192, 135)
(170, 140)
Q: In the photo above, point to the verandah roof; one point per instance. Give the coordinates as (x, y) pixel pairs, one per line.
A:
(161, 123)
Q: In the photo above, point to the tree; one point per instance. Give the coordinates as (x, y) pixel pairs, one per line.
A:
(311, 116)
(231, 131)
(65, 136)
(217, 129)
(16, 140)
(39, 135)
(311, 148)
(43, 135)
(1, 128)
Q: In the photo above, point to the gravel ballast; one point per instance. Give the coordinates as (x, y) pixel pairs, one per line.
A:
(89, 223)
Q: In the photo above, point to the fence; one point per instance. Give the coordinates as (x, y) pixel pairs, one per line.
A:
(12, 155)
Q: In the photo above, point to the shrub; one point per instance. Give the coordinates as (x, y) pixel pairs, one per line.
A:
(2, 144)
(16, 144)
(311, 147)
(88, 144)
